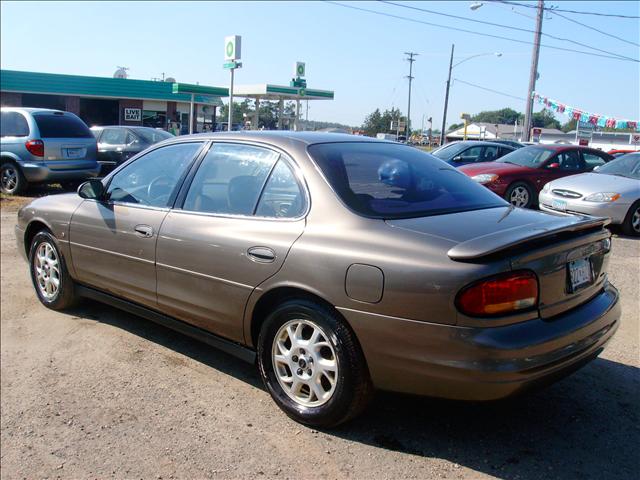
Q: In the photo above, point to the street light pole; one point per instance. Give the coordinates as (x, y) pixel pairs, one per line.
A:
(410, 77)
(533, 74)
(446, 98)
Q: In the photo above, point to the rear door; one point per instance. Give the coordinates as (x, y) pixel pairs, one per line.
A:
(237, 220)
(113, 241)
(67, 139)
(593, 159)
(111, 144)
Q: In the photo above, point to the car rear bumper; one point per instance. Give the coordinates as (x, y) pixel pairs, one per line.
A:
(614, 210)
(46, 172)
(483, 363)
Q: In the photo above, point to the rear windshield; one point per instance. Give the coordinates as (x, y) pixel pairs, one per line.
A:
(383, 180)
(532, 157)
(151, 135)
(61, 126)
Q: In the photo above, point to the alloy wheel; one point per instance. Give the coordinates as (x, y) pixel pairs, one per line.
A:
(519, 197)
(305, 362)
(47, 270)
(9, 179)
(635, 220)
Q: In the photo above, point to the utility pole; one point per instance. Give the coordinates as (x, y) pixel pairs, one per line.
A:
(410, 59)
(533, 74)
(446, 99)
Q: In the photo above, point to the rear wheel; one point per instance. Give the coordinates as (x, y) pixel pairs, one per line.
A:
(12, 181)
(53, 284)
(520, 195)
(312, 365)
(631, 224)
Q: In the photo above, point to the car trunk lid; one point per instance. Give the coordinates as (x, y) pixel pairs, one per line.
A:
(568, 254)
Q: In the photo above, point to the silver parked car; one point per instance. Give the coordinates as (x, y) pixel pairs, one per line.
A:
(338, 263)
(613, 190)
(39, 145)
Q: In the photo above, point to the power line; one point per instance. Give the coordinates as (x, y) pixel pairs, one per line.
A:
(554, 9)
(504, 26)
(398, 17)
(488, 89)
(595, 29)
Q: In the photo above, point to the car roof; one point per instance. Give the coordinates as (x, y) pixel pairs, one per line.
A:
(478, 142)
(32, 110)
(133, 127)
(283, 138)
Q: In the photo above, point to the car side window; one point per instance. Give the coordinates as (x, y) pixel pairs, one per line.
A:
(490, 153)
(592, 160)
(13, 124)
(113, 136)
(150, 179)
(229, 179)
(282, 196)
(570, 160)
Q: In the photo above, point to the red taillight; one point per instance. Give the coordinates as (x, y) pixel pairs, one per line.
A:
(35, 147)
(499, 295)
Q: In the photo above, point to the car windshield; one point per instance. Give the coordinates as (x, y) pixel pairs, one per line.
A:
(151, 135)
(382, 180)
(625, 166)
(531, 157)
(451, 150)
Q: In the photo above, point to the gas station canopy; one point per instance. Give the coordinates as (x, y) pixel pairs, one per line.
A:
(280, 93)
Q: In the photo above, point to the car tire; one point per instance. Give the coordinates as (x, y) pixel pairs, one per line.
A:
(323, 380)
(631, 224)
(12, 180)
(53, 284)
(520, 194)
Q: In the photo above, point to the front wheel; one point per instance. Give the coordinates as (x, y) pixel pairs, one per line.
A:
(520, 195)
(49, 274)
(312, 365)
(631, 224)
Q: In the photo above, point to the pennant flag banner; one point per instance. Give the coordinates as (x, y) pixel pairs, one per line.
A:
(586, 117)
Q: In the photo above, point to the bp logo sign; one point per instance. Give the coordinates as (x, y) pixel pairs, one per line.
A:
(299, 69)
(232, 48)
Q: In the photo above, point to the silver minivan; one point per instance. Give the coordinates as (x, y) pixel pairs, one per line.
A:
(39, 145)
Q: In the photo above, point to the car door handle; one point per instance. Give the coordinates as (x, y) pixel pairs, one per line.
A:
(144, 230)
(261, 254)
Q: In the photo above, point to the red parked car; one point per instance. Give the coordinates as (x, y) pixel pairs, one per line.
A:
(618, 153)
(521, 174)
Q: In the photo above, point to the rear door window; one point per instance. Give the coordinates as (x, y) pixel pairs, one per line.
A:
(52, 125)
(13, 124)
(592, 160)
(570, 160)
(490, 153)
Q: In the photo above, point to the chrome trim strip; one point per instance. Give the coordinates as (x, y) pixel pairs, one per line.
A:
(117, 254)
(202, 275)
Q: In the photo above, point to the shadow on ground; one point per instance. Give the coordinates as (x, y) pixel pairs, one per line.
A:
(586, 426)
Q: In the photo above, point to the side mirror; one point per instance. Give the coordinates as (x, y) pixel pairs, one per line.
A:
(596, 167)
(457, 159)
(553, 165)
(91, 189)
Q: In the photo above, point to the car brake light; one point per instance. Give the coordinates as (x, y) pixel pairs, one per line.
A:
(35, 147)
(499, 295)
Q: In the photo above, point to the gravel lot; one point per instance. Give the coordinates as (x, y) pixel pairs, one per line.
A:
(98, 393)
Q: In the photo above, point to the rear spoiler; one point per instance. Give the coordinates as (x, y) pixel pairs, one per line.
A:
(505, 239)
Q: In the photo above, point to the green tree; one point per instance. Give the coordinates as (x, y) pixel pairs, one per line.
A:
(570, 125)
(377, 122)
(239, 109)
(502, 116)
(544, 119)
(455, 126)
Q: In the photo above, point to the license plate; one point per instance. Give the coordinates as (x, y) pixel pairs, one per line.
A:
(75, 152)
(559, 205)
(580, 274)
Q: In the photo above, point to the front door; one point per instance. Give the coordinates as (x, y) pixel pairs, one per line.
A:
(113, 240)
(240, 215)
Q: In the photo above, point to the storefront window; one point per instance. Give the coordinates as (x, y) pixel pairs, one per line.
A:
(154, 119)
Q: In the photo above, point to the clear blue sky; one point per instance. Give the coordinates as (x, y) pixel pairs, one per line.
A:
(357, 54)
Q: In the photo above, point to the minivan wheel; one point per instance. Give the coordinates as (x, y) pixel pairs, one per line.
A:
(49, 274)
(312, 365)
(12, 181)
(631, 224)
(520, 195)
